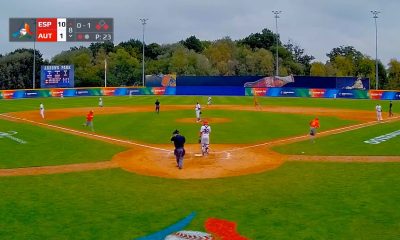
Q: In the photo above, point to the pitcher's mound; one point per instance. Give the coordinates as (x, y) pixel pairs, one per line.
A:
(210, 120)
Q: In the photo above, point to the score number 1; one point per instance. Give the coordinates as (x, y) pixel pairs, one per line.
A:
(61, 29)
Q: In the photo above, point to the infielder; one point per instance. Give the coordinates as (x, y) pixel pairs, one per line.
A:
(41, 107)
(100, 102)
(204, 140)
(89, 120)
(314, 125)
(209, 101)
(198, 112)
(378, 109)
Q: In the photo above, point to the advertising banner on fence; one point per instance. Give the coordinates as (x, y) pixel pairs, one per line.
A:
(81, 92)
(384, 95)
(305, 92)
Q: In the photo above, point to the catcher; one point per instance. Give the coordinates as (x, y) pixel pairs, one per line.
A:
(204, 138)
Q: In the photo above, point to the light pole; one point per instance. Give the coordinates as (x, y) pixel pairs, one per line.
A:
(375, 16)
(143, 20)
(105, 72)
(276, 13)
(34, 56)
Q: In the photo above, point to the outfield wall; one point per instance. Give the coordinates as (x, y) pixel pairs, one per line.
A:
(202, 91)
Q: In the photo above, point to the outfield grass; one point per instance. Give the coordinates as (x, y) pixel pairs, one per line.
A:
(47, 147)
(56, 103)
(245, 127)
(296, 201)
(349, 143)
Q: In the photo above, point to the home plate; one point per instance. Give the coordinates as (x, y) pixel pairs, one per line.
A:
(198, 155)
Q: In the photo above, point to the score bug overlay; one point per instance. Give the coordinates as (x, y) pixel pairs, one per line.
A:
(61, 29)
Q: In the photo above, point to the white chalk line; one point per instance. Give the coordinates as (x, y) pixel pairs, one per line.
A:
(85, 133)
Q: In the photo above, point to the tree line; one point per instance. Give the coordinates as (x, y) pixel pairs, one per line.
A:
(252, 55)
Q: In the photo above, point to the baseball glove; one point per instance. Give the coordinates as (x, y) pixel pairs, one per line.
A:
(200, 112)
(199, 140)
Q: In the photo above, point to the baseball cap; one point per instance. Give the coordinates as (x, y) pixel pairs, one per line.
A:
(176, 131)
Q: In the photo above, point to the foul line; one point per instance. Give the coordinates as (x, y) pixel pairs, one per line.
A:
(85, 133)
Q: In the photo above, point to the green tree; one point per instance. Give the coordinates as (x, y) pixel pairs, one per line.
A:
(124, 69)
(318, 69)
(193, 43)
(266, 39)
(221, 54)
(299, 57)
(344, 66)
(345, 51)
(16, 69)
(394, 75)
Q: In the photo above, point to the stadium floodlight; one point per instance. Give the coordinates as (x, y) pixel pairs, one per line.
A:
(276, 13)
(375, 16)
(34, 57)
(143, 21)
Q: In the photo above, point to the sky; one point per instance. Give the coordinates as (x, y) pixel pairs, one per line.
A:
(318, 26)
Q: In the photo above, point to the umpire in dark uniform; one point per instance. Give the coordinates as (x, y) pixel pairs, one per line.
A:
(179, 142)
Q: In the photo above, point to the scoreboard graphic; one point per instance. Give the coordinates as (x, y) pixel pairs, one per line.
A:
(57, 76)
(61, 29)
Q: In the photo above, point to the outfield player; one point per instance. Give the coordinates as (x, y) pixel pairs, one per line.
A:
(378, 109)
(41, 107)
(198, 112)
(205, 131)
(390, 109)
(89, 120)
(314, 125)
(179, 152)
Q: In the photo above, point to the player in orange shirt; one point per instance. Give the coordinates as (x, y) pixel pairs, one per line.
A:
(89, 120)
(314, 125)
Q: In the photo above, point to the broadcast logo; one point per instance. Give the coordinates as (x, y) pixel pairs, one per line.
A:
(24, 32)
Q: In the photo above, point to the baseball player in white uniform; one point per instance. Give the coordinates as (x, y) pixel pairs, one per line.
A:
(205, 131)
(209, 101)
(41, 107)
(198, 112)
(100, 102)
(378, 109)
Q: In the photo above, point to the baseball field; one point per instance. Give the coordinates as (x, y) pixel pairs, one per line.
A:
(60, 180)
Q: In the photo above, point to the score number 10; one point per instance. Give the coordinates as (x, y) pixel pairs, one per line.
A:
(61, 29)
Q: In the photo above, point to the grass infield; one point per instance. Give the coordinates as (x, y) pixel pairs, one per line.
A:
(244, 126)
